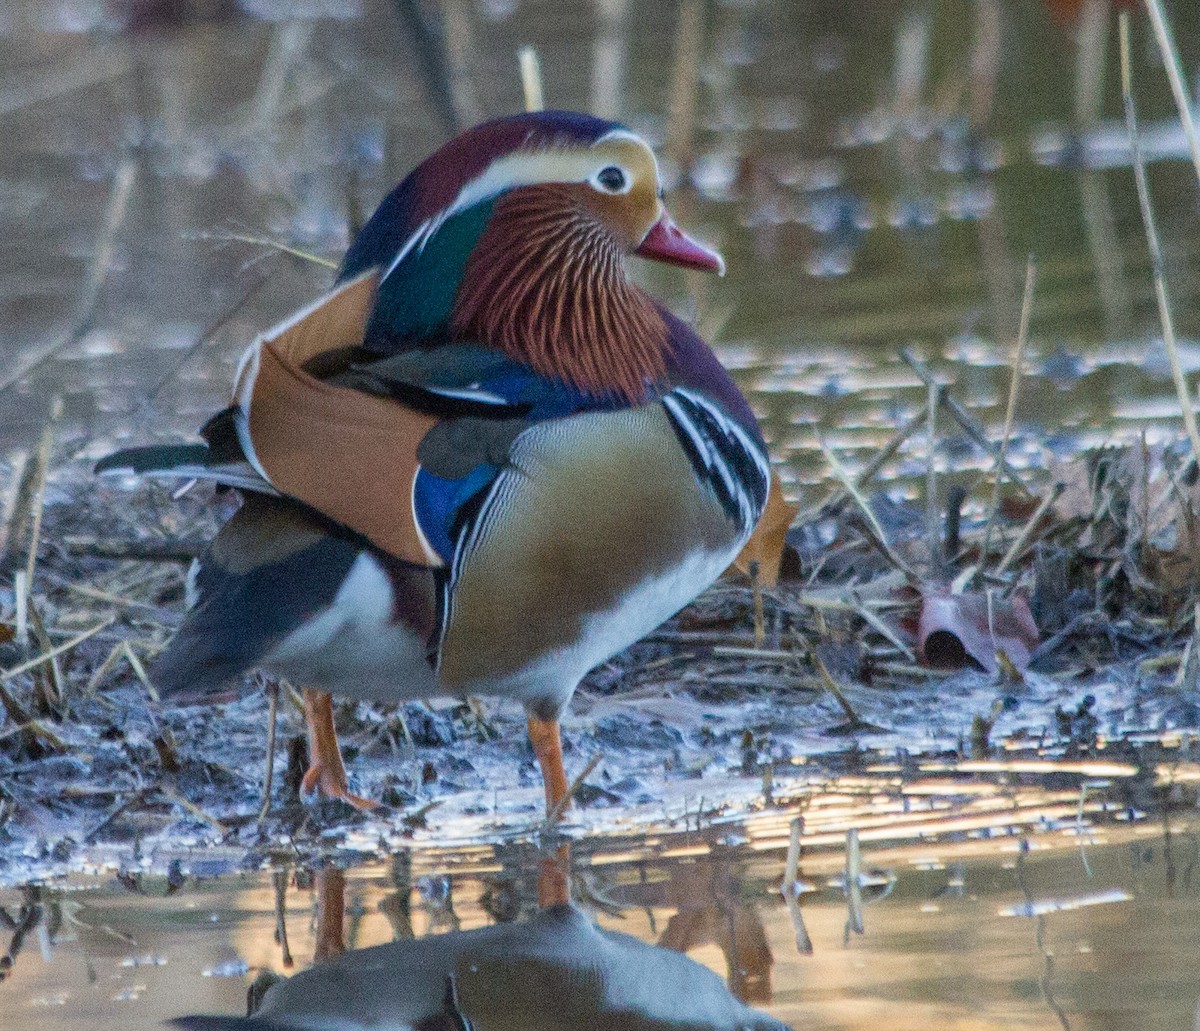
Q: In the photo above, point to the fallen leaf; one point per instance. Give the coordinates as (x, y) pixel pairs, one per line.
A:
(954, 627)
(766, 544)
(7, 633)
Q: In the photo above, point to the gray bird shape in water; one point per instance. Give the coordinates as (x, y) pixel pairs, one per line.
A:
(555, 971)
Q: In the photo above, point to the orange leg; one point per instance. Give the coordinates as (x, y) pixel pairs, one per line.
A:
(547, 746)
(554, 878)
(331, 914)
(326, 772)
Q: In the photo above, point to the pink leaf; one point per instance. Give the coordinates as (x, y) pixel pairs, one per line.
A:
(953, 627)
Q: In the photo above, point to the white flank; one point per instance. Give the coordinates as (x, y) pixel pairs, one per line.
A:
(353, 648)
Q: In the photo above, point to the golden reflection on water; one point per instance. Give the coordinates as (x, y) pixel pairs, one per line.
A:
(949, 871)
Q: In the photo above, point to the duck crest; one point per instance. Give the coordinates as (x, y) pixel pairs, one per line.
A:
(545, 285)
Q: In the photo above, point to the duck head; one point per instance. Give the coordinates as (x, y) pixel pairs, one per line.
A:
(514, 235)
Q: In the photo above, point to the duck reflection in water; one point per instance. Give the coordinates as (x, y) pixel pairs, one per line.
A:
(557, 970)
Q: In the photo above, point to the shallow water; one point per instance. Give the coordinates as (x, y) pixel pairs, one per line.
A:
(869, 192)
(985, 900)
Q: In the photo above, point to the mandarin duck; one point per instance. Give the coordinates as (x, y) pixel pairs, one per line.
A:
(484, 462)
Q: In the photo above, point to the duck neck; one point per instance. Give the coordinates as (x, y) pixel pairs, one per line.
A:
(546, 285)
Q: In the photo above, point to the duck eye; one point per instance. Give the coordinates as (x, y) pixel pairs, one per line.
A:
(611, 179)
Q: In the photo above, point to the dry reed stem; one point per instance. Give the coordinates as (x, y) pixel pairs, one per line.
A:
(97, 273)
(561, 805)
(854, 900)
(139, 671)
(272, 730)
(25, 87)
(531, 78)
(1174, 69)
(931, 501)
(176, 796)
(831, 685)
(8, 504)
(885, 631)
(876, 529)
(791, 896)
(1014, 389)
(288, 44)
(876, 463)
(37, 505)
(1027, 530)
(791, 868)
(1090, 52)
(1152, 241)
(760, 629)
(685, 76)
(8, 674)
(971, 426)
(208, 333)
(230, 236)
(458, 45)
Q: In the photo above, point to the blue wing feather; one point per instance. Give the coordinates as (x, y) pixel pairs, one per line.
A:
(440, 502)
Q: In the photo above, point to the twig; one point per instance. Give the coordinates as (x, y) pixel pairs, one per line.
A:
(136, 551)
(873, 524)
(964, 418)
(114, 215)
(66, 646)
(272, 721)
(229, 236)
(180, 799)
(1174, 70)
(531, 78)
(1014, 389)
(1018, 545)
(832, 686)
(854, 906)
(1156, 259)
(839, 496)
(931, 502)
(208, 332)
(560, 806)
(37, 504)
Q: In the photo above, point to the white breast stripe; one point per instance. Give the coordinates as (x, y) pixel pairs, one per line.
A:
(468, 538)
(710, 451)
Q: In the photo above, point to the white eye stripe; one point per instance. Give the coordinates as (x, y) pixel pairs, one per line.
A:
(527, 168)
